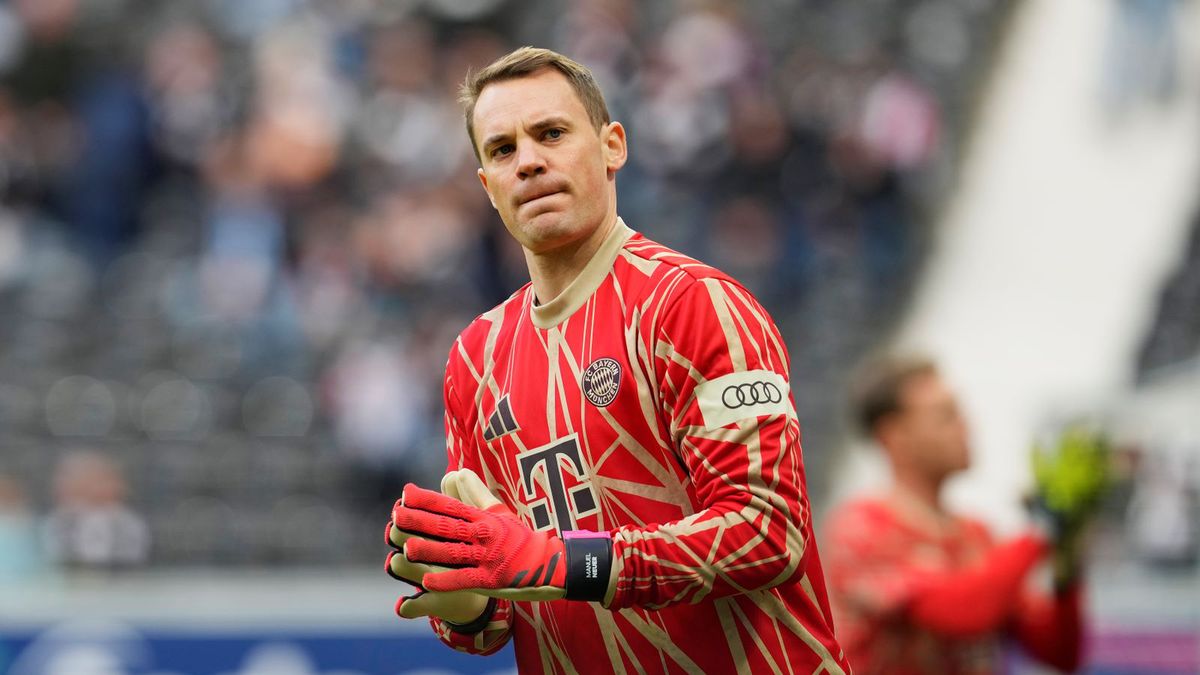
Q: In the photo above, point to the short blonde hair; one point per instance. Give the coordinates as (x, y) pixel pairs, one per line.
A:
(524, 62)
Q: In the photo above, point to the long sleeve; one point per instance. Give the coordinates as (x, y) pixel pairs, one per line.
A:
(724, 393)
(978, 600)
(649, 401)
(460, 455)
(913, 597)
(884, 571)
(1050, 627)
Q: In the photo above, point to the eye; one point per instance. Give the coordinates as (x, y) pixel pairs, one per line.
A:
(501, 150)
(554, 134)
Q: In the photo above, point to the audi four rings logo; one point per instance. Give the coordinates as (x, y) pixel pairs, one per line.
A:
(752, 393)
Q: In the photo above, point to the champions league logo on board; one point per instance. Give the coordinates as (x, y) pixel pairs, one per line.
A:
(601, 381)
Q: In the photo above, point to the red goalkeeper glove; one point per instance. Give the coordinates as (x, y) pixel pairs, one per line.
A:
(492, 552)
(465, 612)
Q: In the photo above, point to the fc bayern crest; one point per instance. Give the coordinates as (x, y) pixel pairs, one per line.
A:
(601, 381)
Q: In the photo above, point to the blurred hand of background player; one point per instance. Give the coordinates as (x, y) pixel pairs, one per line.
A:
(457, 607)
(1071, 476)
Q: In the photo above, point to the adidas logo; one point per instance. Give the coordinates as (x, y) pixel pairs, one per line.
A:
(501, 422)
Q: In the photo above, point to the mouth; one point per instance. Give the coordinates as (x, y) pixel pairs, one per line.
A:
(541, 194)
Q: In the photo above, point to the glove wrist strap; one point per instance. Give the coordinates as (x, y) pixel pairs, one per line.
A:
(589, 560)
(476, 625)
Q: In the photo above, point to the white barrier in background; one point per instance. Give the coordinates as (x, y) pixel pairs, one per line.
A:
(1051, 252)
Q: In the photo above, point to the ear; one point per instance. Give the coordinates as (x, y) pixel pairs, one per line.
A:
(889, 432)
(483, 180)
(616, 150)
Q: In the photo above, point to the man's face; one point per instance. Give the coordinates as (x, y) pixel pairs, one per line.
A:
(547, 170)
(929, 431)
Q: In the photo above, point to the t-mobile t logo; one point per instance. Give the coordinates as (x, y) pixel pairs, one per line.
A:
(565, 505)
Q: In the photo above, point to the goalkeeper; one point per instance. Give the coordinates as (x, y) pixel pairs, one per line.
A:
(917, 589)
(626, 485)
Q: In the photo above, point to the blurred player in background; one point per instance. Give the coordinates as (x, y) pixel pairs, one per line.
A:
(626, 489)
(917, 589)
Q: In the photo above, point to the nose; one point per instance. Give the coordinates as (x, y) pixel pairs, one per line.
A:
(529, 160)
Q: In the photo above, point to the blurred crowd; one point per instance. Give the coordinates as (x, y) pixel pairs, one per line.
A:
(238, 238)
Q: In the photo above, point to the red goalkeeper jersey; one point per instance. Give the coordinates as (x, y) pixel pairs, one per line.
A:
(917, 593)
(649, 400)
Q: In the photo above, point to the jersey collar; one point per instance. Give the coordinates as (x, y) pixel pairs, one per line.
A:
(583, 286)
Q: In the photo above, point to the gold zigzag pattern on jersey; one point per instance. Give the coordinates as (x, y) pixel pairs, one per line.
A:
(738, 650)
(549, 645)
(645, 266)
(750, 337)
(756, 638)
(763, 492)
(615, 644)
(773, 607)
(484, 381)
(659, 637)
(671, 489)
(720, 302)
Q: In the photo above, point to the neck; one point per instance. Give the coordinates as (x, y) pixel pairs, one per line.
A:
(919, 485)
(552, 271)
